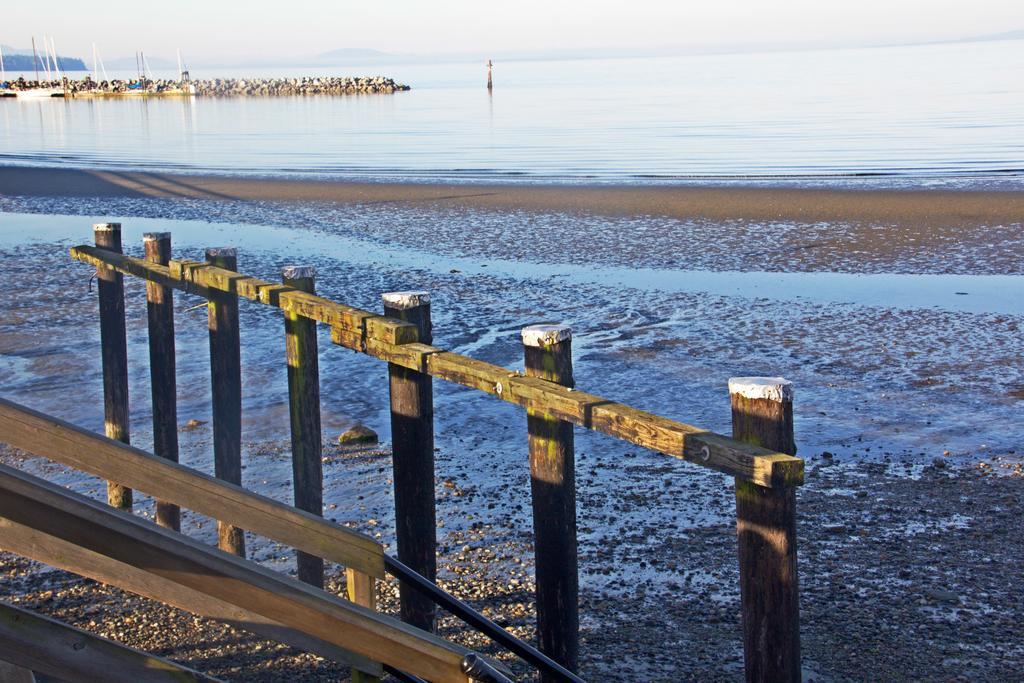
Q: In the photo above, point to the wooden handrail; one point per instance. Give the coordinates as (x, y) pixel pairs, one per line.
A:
(397, 342)
(47, 523)
(51, 647)
(65, 443)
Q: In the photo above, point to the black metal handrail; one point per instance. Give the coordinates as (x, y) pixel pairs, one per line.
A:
(482, 624)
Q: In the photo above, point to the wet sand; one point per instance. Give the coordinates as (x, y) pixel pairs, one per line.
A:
(905, 207)
(905, 417)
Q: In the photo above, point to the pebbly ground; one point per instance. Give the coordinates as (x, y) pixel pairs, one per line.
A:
(908, 536)
(905, 575)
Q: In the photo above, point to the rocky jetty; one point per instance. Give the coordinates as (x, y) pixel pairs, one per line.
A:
(218, 87)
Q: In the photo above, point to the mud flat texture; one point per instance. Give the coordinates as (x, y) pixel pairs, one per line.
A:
(907, 411)
(904, 576)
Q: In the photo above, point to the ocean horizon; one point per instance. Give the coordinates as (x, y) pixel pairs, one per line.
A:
(948, 113)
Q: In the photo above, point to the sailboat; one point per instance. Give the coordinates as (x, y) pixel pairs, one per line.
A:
(5, 87)
(36, 93)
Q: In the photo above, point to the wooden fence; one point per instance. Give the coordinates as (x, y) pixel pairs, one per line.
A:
(760, 456)
(52, 525)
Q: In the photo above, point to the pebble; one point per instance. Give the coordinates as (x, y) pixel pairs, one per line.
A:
(359, 434)
(940, 595)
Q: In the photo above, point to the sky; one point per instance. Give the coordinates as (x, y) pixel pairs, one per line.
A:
(232, 31)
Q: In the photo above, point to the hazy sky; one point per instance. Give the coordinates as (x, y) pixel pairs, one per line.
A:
(219, 30)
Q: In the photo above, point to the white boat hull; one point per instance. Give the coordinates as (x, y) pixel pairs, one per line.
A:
(40, 92)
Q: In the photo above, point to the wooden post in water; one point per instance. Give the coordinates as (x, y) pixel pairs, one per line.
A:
(226, 377)
(114, 352)
(490, 75)
(304, 410)
(160, 312)
(412, 446)
(548, 350)
(762, 414)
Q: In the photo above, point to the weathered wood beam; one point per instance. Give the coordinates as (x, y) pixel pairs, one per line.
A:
(65, 443)
(78, 560)
(56, 649)
(33, 508)
(12, 673)
(395, 342)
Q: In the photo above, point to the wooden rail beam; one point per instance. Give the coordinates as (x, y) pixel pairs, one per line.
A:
(73, 446)
(56, 649)
(39, 520)
(395, 341)
(12, 673)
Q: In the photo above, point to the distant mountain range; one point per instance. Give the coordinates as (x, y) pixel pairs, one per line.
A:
(1007, 35)
(354, 56)
(130, 64)
(21, 60)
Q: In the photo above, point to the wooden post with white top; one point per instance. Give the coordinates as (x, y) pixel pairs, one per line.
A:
(548, 353)
(412, 447)
(762, 415)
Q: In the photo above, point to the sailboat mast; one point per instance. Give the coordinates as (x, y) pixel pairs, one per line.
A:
(46, 61)
(3, 71)
(95, 71)
(103, 66)
(56, 64)
(181, 76)
(35, 58)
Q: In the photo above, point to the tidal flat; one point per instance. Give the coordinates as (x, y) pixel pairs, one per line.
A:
(901, 333)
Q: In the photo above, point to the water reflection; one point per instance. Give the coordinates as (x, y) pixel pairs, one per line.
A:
(932, 110)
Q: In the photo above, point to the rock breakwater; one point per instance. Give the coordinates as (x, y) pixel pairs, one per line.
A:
(216, 87)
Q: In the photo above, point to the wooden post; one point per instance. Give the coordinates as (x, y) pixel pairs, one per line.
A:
(412, 446)
(160, 311)
(490, 73)
(762, 415)
(304, 409)
(548, 350)
(362, 591)
(226, 376)
(114, 352)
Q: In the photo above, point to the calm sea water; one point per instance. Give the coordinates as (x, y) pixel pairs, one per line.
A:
(945, 111)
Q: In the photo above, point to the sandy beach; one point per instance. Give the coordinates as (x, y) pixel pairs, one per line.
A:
(906, 415)
(910, 208)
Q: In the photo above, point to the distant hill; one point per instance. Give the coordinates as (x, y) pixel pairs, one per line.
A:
(1007, 35)
(130, 64)
(22, 62)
